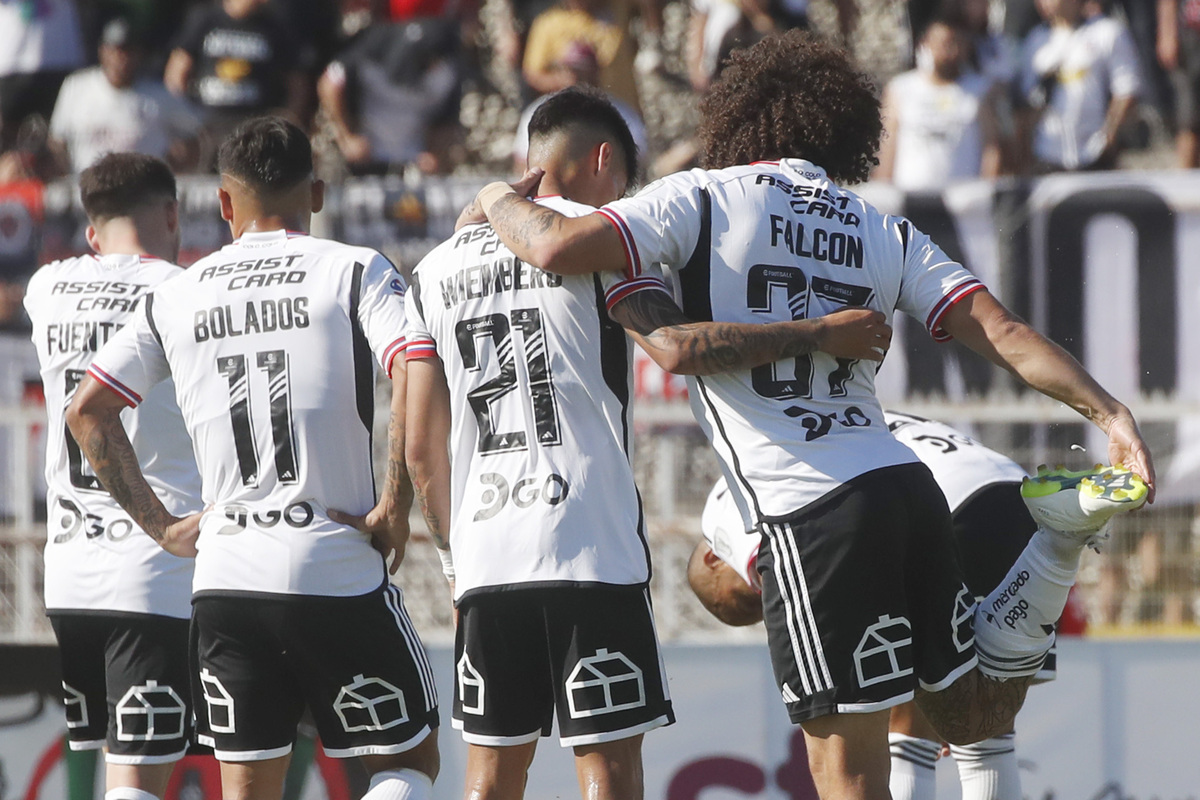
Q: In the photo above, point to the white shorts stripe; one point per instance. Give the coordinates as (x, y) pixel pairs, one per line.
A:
(786, 594)
(395, 602)
(806, 604)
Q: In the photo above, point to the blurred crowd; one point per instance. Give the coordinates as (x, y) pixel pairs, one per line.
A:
(992, 87)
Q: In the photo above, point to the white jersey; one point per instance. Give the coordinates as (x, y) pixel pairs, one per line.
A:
(1083, 68)
(960, 465)
(939, 139)
(727, 536)
(779, 241)
(96, 558)
(273, 343)
(540, 384)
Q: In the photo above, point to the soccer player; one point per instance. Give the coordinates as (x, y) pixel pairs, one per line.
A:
(118, 602)
(991, 528)
(273, 343)
(529, 380)
(767, 234)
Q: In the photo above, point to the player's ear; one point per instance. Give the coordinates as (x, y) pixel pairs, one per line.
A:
(603, 158)
(711, 559)
(226, 204)
(318, 196)
(93, 239)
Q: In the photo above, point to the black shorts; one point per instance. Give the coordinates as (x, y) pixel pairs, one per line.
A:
(863, 597)
(125, 684)
(590, 652)
(356, 662)
(992, 528)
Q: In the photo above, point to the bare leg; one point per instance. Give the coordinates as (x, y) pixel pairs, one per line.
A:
(254, 780)
(1187, 150)
(390, 770)
(497, 773)
(907, 718)
(152, 778)
(848, 755)
(974, 707)
(610, 771)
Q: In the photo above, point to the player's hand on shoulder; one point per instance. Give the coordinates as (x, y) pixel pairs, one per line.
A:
(388, 528)
(1127, 447)
(179, 536)
(474, 214)
(855, 333)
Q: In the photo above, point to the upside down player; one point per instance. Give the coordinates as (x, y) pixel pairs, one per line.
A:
(527, 379)
(273, 343)
(991, 528)
(767, 234)
(118, 602)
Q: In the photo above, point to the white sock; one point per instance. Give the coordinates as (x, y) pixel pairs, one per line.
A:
(128, 793)
(988, 769)
(914, 767)
(399, 784)
(1014, 624)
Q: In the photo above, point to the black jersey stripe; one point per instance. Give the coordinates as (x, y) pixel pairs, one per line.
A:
(150, 318)
(733, 457)
(364, 370)
(695, 278)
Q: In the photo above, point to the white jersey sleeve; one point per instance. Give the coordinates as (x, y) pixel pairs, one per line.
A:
(661, 224)
(932, 282)
(961, 466)
(96, 559)
(726, 534)
(381, 317)
(132, 362)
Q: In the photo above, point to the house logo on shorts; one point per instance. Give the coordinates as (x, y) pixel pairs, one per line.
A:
(885, 651)
(470, 687)
(76, 703)
(150, 713)
(963, 622)
(219, 703)
(370, 704)
(604, 684)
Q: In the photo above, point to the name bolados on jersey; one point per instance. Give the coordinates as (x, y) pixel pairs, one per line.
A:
(96, 558)
(776, 241)
(273, 343)
(540, 383)
(960, 465)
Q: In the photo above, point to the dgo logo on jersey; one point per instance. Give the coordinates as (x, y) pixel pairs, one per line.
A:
(150, 713)
(605, 684)
(370, 704)
(885, 651)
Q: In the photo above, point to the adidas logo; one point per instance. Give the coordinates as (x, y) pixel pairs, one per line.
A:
(788, 695)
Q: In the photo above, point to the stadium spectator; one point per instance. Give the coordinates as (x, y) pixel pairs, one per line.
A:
(742, 237)
(579, 67)
(39, 46)
(236, 58)
(393, 96)
(604, 26)
(1179, 53)
(1080, 81)
(992, 52)
(940, 119)
(114, 108)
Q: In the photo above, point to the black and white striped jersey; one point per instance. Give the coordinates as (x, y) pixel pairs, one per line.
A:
(960, 465)
(273, 343)
(540, 384)
(776, 241)
(96, 558)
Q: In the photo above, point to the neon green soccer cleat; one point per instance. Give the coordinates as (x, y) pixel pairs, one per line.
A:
(1082, 502)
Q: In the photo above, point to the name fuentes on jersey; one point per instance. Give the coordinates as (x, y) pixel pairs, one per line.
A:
(264, 316)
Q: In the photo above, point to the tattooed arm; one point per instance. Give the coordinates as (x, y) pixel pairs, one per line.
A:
(702, 348)
(387, 522)
(94, 418)
(545, 238)
(427, 453)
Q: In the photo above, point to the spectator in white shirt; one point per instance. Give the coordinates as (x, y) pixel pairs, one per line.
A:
(111, 108)
(1080, 79)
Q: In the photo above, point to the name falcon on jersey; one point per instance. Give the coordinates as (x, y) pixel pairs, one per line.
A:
(505, 274)
(263, 316)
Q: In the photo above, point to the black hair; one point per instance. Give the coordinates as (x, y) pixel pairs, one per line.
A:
(121, 183)
(792, 95)
(269, 154)
(589, 107)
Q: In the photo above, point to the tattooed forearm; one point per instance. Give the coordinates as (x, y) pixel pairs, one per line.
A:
(397, 485)
(519, 221)
(432, 521)
(112, 458)
(702, 348)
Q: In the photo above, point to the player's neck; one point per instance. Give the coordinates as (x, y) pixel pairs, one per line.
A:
(264, 223)
(124, 237)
